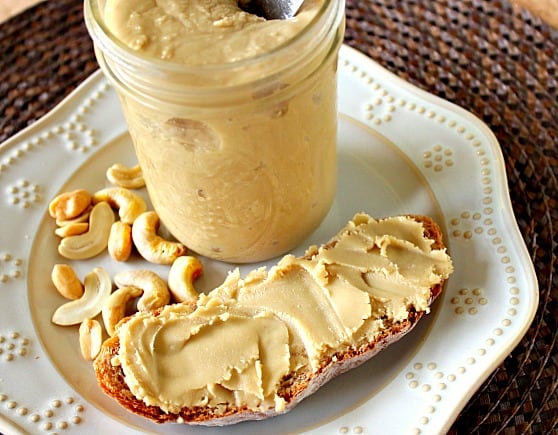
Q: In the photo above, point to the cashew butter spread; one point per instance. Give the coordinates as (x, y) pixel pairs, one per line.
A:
(240, 164)
(196, 32)
(240, 341)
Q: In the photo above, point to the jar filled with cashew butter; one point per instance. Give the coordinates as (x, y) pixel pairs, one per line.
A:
(233, 117)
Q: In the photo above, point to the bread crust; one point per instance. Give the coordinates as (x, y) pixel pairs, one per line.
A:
(293, 389)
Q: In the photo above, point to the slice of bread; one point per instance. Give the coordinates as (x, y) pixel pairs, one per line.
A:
(303, 380)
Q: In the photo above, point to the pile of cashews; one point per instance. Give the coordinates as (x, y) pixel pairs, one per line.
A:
(87, 226)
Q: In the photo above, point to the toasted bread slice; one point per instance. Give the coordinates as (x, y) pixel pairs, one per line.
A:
(302, 380)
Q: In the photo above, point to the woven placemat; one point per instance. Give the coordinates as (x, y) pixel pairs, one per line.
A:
(494, 59)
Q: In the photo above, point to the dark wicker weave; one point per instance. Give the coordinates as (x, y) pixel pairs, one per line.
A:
(496, 60)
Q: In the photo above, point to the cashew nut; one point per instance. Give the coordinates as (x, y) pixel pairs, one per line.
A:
(123, 176)
(90, 338)
(120, 241)
(114, 309)
(66, 281)
(83, 217)
(95, 240)
(150, 245)
(72, 229)
(155, 291)
(97, 288)
(68, 205)
(129, 204)
(182, 274)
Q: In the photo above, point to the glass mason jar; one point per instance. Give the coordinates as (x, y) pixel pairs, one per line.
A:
(239, 157)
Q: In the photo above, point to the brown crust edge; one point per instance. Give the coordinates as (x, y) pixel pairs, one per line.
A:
(111, 378)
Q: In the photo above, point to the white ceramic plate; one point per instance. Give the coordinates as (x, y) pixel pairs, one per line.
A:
(401, 150)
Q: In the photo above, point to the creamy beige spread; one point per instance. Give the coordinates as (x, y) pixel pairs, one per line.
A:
(196, 32)
(245, 335)
(243, 181)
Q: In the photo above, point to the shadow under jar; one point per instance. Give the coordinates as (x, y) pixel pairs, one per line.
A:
(233, 117)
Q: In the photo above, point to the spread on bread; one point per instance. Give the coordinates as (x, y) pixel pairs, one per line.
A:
(239, 343)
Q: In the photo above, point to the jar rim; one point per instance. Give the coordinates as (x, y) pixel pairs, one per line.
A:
(108, 41)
